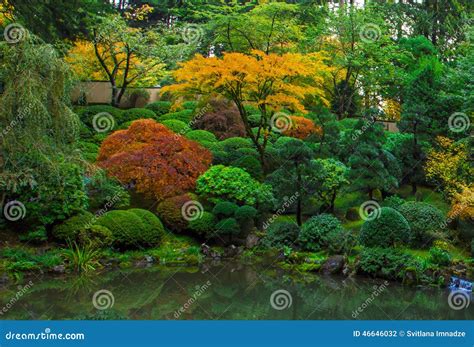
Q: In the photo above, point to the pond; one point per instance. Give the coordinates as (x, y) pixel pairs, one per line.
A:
(221, 291)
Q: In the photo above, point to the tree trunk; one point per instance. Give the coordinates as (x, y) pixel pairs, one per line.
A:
(333, 199)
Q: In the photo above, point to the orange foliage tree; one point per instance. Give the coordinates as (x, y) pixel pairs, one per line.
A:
(153, 159)
(302, 128)
(269, 82)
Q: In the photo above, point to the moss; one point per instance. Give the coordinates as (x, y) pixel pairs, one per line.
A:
(68, 230)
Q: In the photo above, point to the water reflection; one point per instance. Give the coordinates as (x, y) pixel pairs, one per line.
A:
(226, 291)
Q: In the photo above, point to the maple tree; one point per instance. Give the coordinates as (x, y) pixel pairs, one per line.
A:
(153, 159)
(269, 82)
(302, 128)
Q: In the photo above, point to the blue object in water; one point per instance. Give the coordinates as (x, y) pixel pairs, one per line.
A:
(460, 284)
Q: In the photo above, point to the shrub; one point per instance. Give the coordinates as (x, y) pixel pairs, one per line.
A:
(86, 114)
(148, 218)
(185, 116)
(37, 236)
(201, 136)
(106, 192)
(95, 237)
(169, 211)
(394, 202)
(222, 119)
(159, 107)
(137, 95)
(176, 126)
(137, 113)
(228, 226)
(128, 230)
(203, 225)
(386, 230)
(68, 230)
(383, 262)
(254, 120)
(232, 184)
(440, 256)
(225, 209)
(89, 150)
(245, 213)
(302, 128)
(424, 220)
(250, 164)
(315, 231)
(190, 105)
(352, 214)
(280, 234)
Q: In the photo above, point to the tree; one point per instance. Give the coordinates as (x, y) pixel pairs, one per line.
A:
(123, 55)
(292, 177)
(367, 163)
(270, 82)
(301, 128)
(153, 159)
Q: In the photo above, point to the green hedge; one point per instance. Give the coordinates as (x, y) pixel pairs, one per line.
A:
(281, 234)
(323, 232)
(159, 107)
(176, 126)
(388, 229)
(137, 113)
(68, 230)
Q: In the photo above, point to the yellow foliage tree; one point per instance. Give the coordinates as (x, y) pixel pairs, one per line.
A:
(122, 55)
(269, 82)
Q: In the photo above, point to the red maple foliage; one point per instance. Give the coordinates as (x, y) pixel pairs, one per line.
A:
(302, 128)
(153, 159)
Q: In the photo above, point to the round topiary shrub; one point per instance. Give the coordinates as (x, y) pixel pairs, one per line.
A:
(204, 225)
(383, 262)
(386, 230)
(95, 237)
(225, 209)
(86, 114)
(394, 202)
(250, 164)
(177, 126)
(184, 116)
(68, 230)
(137, 113)
(228, 227)
(281, 234)
(190, 105)
(315, 231)
(201, 136)
(128, 230)
(150, 220)
(245, 213)
(159, 107)
(169, 211)
(425, 221)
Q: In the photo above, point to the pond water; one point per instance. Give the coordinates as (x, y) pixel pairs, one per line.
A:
(223, 291)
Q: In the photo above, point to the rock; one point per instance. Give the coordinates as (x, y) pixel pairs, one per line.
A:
(60, 269)
(4, 279)
(231, 251)
(333, 265)
(149, 259)
(206, 250)
(251, 241)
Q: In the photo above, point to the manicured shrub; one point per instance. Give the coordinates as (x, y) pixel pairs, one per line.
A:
(205, 225)
(201, 136)
(225, 209)
(228, 226)
(394, 202)
(189, 105)
(150, 219)
(106, 192)
(137, 113)
(221, 118)
(317, 232)
(245, 213)
(440, 256)
(250, 164)
(254, 119)
(386, 230)
(232, 184)
(89, 150)
(383, 262)
(159, 107)
(128, 230)
(68, 230)
(176, 126)
(184, 116)
(281, 234)
(87, 113)
(95, 237)
(169, 211)
(425, 221)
